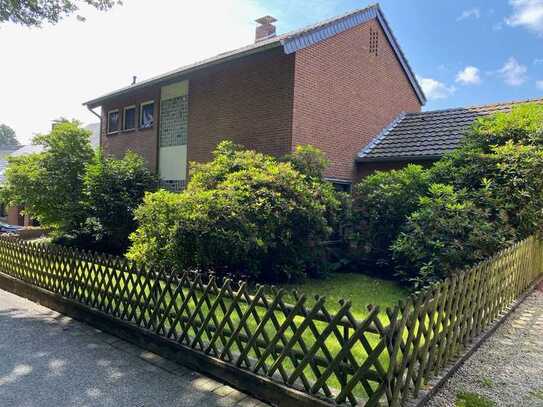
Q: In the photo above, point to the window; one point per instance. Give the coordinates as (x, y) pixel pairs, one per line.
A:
(340, 185)
(129, 119)
(113, 121)
(147, 112)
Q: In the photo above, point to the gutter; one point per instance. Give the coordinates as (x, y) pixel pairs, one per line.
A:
(397, 159)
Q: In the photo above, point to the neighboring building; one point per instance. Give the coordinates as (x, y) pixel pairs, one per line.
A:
(334, 85)
(94, 128)
(423, 137)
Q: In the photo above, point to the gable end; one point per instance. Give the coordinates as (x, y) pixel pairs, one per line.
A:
(312, 36)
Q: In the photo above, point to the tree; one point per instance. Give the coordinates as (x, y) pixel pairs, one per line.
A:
(7, 136)
(33, 13)
(243, 213)
(50, 184)
(114, 189)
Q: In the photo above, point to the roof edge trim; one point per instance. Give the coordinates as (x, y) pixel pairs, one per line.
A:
(380, 137)
(398, 159)
(321, 33)
(306, 39)
(401, 56)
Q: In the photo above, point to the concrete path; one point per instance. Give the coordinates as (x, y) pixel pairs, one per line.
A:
(507, 370)
(50, 360)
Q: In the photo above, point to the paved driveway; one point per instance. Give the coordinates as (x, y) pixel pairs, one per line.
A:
(47, 359)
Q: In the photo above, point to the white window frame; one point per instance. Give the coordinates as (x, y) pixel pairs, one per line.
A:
(124, 117)
(142, 105)
(108, 122)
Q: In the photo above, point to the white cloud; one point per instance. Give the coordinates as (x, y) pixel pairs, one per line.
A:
(474, 13)
(513, 73)
(434, 89)
(539, 85)
(468, 76)
(527, 14)
(54, 69)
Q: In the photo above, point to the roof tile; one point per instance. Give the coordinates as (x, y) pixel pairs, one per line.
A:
(428, 134)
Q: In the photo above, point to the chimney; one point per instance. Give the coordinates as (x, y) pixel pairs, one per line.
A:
(134, 79)
(266, 29)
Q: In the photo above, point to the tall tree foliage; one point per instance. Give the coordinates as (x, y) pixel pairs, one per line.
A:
(50, 184)
(34, 13)
(7, 136)
(114, 189)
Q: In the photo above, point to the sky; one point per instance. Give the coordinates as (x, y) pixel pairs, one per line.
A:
(464, 52)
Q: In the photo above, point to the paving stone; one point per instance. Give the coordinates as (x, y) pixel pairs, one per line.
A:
(42, 364)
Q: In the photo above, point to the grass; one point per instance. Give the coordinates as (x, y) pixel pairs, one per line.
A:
(360, 289)
(467, 399)
(487, 382)
(537, 394)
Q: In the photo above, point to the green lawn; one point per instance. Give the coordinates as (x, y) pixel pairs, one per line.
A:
(360, 289)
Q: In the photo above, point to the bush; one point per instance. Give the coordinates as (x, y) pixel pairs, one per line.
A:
(381, 205)
(523, 125)
(114, 189)
(516, 187)
(50, 184)
(308, 160)
(243, 213)
(447, 233)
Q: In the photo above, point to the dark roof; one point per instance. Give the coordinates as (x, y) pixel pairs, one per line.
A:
(291, 42)
(428, 135)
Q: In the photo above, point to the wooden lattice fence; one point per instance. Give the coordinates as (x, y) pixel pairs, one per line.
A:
(384, 358)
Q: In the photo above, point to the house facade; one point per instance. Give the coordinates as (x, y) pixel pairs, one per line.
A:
(334, 85)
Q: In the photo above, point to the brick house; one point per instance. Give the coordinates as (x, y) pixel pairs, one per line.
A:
(334, 85)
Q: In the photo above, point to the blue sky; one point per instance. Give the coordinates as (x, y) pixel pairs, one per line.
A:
(500, 41)
(464, 52)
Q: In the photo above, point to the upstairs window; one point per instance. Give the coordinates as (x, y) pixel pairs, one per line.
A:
(113, 121)
(129, 119)
(147, 113)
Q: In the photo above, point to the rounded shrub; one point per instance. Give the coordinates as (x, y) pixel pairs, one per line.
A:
(447, 233)
(381, 204)
(243, 213)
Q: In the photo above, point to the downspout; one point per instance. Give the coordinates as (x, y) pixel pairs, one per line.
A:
(100, 117)
(94, 113)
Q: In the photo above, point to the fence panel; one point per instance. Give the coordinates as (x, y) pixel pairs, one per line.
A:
(386, 357)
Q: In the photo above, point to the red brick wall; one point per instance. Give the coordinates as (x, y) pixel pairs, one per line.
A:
(248, 100)
(144, 141)
(343, 96)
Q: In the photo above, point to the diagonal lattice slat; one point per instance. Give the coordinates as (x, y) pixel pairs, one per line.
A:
(386, 357)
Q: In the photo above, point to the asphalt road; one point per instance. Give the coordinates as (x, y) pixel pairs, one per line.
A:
(47, 359)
